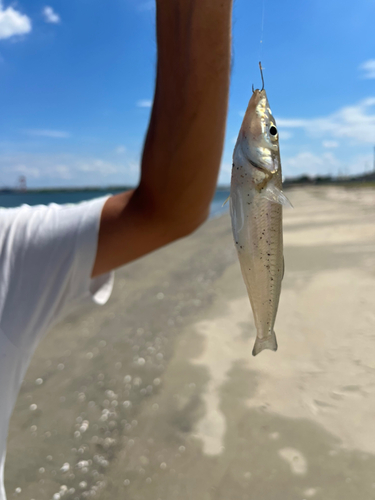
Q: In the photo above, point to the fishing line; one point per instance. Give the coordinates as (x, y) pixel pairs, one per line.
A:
(262, 30)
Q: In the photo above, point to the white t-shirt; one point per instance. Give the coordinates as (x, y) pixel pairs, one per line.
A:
(46, 258)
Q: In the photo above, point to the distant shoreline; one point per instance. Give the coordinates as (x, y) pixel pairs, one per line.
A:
(362, 180)
(65, 189)
(80, 189)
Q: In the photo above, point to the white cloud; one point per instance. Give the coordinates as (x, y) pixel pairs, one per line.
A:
(325, 164)
(13, 23)
(104, 168)
(225, 174)
(54, 134)
(144, 103)
(330, 144)
(63, 171)
(354, 122)
(290, 123)
(32, 166)
(120, 150)
(368, 68)
(50, 16)
(285, 134)
(310, 163)
(66, 170)
(27, 171)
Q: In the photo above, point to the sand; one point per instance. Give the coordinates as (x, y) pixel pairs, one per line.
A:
(156, 396)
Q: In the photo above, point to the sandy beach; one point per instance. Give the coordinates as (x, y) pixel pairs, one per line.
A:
(156, 395)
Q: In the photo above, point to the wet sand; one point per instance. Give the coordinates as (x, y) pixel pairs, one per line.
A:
(156, 395)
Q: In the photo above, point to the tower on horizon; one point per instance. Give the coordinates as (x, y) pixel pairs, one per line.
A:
(21, 185)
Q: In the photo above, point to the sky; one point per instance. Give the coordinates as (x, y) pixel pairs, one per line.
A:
(77, 80)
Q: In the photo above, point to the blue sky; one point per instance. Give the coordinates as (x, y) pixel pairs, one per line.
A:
(77, 78)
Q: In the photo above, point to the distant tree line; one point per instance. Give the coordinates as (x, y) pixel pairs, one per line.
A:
(330, 179)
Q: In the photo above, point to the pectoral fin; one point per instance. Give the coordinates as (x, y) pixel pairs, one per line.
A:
(274, 194)
(226, 201)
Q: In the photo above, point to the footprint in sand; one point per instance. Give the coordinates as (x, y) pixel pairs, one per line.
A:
(295, 459)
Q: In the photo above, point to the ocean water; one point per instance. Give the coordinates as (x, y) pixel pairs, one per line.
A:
(11, 200)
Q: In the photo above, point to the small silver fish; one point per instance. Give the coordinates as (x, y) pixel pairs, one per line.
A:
(256, 203)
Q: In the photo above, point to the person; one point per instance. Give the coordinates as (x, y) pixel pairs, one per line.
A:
(55, 258)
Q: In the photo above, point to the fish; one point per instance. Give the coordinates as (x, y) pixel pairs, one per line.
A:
(256, 201)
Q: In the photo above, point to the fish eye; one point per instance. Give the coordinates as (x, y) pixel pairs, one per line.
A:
(273, 130)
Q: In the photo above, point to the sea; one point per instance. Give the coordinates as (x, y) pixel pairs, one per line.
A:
(15, 199)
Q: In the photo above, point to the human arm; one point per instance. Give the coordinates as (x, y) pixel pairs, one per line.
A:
(183, 147)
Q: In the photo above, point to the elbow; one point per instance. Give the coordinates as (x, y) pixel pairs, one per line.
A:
(181, 227)
(192, 225)
(172, 221)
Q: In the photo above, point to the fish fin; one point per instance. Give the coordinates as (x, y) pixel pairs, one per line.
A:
(226, 201)
(274, 194)
(269, 342)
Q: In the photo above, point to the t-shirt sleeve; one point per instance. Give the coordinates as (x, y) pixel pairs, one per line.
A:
(47, 260)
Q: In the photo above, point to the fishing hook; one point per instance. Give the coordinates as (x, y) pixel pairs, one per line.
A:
(261, 74)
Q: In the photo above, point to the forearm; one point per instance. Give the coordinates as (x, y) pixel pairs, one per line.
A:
(184, 143)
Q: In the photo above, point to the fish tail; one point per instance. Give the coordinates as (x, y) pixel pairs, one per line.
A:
(268, 342)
